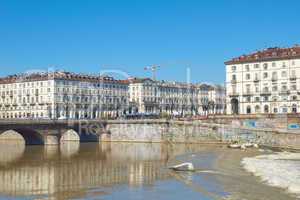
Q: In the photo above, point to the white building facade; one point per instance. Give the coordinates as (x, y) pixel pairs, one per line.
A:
(264, 82)
(65, 95)
(62, 95)
(176, 99)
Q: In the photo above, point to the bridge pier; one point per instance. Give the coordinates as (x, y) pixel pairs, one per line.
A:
(51, 140)
(105, 137)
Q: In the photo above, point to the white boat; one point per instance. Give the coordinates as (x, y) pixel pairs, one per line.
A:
(183, 167)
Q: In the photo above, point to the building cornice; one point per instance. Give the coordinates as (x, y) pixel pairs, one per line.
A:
(270, 54)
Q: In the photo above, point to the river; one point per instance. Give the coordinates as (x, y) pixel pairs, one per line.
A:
(128, 171)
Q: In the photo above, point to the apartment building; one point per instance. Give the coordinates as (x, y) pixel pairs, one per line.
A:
(60, 95)
(265, 81)
(65, 95)
(174, 98)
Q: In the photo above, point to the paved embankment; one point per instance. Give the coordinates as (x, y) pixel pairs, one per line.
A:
(198, 132)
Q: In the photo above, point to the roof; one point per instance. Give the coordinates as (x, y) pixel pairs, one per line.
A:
(269, 54)
(42, 76)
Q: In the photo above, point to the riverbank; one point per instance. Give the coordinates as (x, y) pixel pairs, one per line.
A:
(220, 174)
(152, 131)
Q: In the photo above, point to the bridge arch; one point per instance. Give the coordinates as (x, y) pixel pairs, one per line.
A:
(31, 137)
(70, 135)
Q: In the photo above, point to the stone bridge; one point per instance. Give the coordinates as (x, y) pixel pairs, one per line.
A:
(51, 132)
(39, 132)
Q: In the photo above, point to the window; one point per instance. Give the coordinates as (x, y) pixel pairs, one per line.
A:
(283, 64)
(266, 89)
(248, 99)
(274, 88)
(274, 75)
(256, 66)
(275, 110)
(265, 66)
(257, 108)
(284, 98)
(248, 109)
(248, 88)
(266, 108)
(294, 108)
(293, 62)
(247, 68)
(283, 74)
(293, 87)
(233, 68)
(233, 77)
(284, 88)
(265, 75)
(293, 74)
(257, 99)
(247, 76)
(294, 98)
(273, 64)
(284, 109)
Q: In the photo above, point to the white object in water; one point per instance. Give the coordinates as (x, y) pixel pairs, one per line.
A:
(248, 144)
(183, 167)
(234, 146)
(243, 147)
(255, 145)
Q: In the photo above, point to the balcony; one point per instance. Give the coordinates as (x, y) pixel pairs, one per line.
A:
(284, 92)
(256, 80)
(265, 93)
(233, 81)
(247, 93)
(233, 94)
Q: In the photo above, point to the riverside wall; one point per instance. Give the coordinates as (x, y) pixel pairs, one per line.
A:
(198, 132)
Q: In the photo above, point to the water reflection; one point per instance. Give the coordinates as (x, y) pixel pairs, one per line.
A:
(51, 151)
(45, 171)
(11, 151)
(69, 148)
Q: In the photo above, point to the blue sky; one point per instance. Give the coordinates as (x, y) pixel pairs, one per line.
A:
(94, 35)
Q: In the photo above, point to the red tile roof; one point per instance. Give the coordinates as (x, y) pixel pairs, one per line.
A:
(269, 54)
(59, 76)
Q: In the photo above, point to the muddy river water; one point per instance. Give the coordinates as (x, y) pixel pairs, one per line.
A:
(132, 171)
